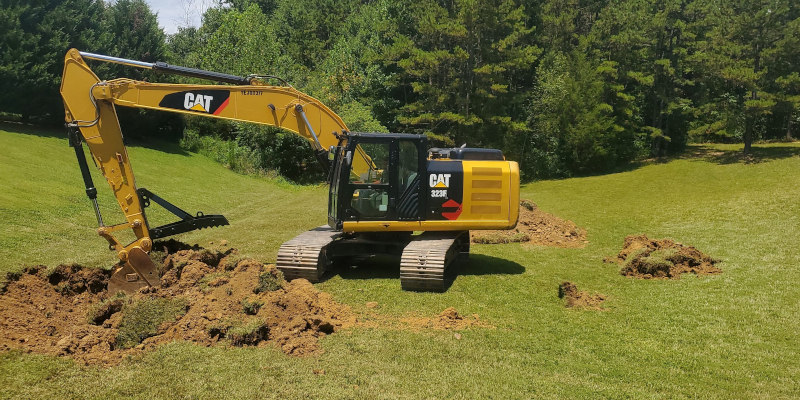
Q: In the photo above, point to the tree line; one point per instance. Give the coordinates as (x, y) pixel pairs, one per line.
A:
(565, 87)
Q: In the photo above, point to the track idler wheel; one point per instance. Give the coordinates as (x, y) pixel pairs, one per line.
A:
(138, 272)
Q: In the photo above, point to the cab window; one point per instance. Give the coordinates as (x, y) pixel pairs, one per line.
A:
(370, 164)
(409, 164)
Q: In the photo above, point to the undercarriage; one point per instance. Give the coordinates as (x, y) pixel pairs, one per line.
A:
(426, 259)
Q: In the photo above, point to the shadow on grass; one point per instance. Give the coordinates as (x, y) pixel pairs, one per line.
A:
(698, 152)
(159, 145)
(56, 132)
(386, 267)
(31, 129)
(757, 154)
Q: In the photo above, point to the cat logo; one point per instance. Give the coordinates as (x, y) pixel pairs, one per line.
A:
(197, 102)
(202, 101)
(439, 181)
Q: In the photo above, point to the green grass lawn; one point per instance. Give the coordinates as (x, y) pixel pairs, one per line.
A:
(733, 335)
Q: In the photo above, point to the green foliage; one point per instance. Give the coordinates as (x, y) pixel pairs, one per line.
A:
(142, 317)
(462, 65)
(136, 34)
(565, 87)
(574, 128)
(243, 44)
(34, 38)
(743, 63)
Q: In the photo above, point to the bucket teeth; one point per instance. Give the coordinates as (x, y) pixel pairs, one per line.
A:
(138, 272)
(186, 225)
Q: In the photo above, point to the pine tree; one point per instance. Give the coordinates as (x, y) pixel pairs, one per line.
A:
(463, 66)
(35, 36)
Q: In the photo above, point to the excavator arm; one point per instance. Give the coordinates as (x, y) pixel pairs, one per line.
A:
(91, 116)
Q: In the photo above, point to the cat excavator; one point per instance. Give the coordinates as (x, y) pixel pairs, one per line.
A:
(389, 193)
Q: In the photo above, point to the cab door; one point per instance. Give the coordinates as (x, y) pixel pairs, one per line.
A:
(411, 171)
(367, 192)
(333, 193)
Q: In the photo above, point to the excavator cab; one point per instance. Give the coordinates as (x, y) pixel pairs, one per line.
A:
(389, 190)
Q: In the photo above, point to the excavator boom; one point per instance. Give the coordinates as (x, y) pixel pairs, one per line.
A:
(89, 104)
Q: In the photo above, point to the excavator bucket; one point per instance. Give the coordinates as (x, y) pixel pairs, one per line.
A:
(138, 272)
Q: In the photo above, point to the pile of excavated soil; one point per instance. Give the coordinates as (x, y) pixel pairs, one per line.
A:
(67, 311)
(579, 298)
(536, 227)
(646, 258)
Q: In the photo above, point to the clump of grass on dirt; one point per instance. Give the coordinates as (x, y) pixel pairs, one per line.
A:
(248, 333)
(11, 276)
(251, 307)
(100, 312)
(527, 204)
(157, 256)
(240, 332)
(498, 238)
(580, 299)
(229, 262)
(141, 318)
(269, 281)
(656, 263)
(212, 280)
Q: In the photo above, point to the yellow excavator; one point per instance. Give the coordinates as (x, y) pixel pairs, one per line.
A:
(389, 193)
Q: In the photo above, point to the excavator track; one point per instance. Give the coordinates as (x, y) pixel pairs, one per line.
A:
(424, 265)
(305, 256)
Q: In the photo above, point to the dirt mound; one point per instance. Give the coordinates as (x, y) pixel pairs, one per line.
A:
(207, 297)
(580, 299)
(647, 258)
(536, 227)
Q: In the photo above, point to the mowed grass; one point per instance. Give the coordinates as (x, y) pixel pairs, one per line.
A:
(733, 335)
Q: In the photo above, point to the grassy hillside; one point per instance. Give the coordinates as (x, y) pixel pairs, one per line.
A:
(723, 336)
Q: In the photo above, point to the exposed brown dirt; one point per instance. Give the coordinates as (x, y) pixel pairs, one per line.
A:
(646, 258)
(536, 227)
(575, 298)
(229, 300)
(448, 319)
(66, 311)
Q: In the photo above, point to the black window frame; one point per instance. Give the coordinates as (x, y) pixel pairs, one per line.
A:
(346, 188)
